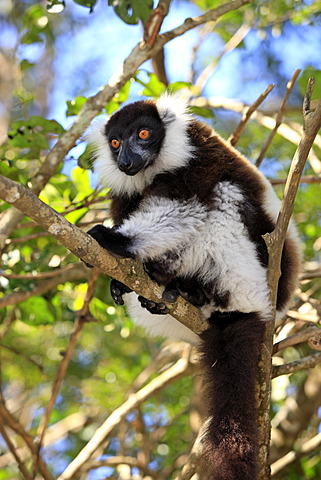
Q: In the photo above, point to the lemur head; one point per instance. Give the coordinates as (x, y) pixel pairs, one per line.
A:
(135, 135)
(139, 141)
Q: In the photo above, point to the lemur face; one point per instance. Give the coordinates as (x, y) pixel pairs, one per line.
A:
(135, 135)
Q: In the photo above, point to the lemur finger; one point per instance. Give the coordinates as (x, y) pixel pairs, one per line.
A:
(153, 307)
(117, 290)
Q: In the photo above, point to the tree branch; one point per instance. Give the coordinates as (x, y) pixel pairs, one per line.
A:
(96, 103)
(127, 271)
(71, 274)
(311, 335)
(279, 117)
(233, 139)
(179, 369)
(8, 419)
(13, 450)
(274, 242)
(307, 362)
(308, 447)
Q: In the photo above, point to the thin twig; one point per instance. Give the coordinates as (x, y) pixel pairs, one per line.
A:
(309, 361)
(8, 418)
(311, 335)
(13, 450)
(26, 357)
(233, 43)
(118, 460)
(279, 117)
(286, 131)
(76, 273)
(274, 242)
(234, 138)
(82, 317)
(39, 275)
(308, 447)
(179, 369)
(305, 179)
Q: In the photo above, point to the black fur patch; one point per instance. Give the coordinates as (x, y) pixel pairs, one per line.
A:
(229, 358)
(125, 124)
(123, 206)
(114, 242)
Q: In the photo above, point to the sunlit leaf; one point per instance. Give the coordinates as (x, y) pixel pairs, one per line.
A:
(131, 11)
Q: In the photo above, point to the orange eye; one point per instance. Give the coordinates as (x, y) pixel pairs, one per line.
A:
(115, 143)
(143, 134)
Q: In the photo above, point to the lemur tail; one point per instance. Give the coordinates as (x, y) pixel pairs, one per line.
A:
(229, 359)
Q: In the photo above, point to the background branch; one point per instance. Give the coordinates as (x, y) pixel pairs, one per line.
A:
(274, 242)
(308, 447)
(180, 368)
(96, 103)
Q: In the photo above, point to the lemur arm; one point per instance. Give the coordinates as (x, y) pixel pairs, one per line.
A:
(159, 225)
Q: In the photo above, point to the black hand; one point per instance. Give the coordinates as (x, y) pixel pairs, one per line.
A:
(113, 241)
(117, 290)
(153, 307)
(170, 294)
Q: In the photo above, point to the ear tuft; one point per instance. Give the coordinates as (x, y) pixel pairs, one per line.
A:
(171, 107)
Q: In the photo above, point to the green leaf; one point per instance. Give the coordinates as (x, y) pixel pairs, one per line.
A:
(55, 6)
(74, 106)
(202, 112)
(118, 99)
(35, 311)
(25, 65)
(80, 178)
(87, 3)
(131, 11)
(154, 88)
(303, 81)
(85, 159)
(176, 86)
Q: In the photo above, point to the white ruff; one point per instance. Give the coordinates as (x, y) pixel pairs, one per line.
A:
(175, 152)
(158, 325)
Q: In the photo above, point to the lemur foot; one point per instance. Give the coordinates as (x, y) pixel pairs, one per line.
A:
(117, 290)
(153, 307)
(170, 294)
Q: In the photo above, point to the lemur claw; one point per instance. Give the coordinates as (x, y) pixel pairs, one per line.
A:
(153, 307)
(117, 290)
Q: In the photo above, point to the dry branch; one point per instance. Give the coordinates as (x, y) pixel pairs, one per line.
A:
(71, 274)
(96, 103)
(311, 335)
(307, 362)
(13, 450)
(85, 247)
(233, 139)
(8, 419)
(308, 447)
(82, 317)
(274, 242)
(279, 117)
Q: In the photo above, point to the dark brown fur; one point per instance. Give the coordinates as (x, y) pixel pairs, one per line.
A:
(229, 357)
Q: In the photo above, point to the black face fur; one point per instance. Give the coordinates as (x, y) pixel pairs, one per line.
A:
(123, 131)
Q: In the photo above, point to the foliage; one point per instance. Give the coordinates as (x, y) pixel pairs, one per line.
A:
(40, 294)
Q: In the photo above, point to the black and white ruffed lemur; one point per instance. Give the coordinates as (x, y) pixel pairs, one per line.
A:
(193, 210)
